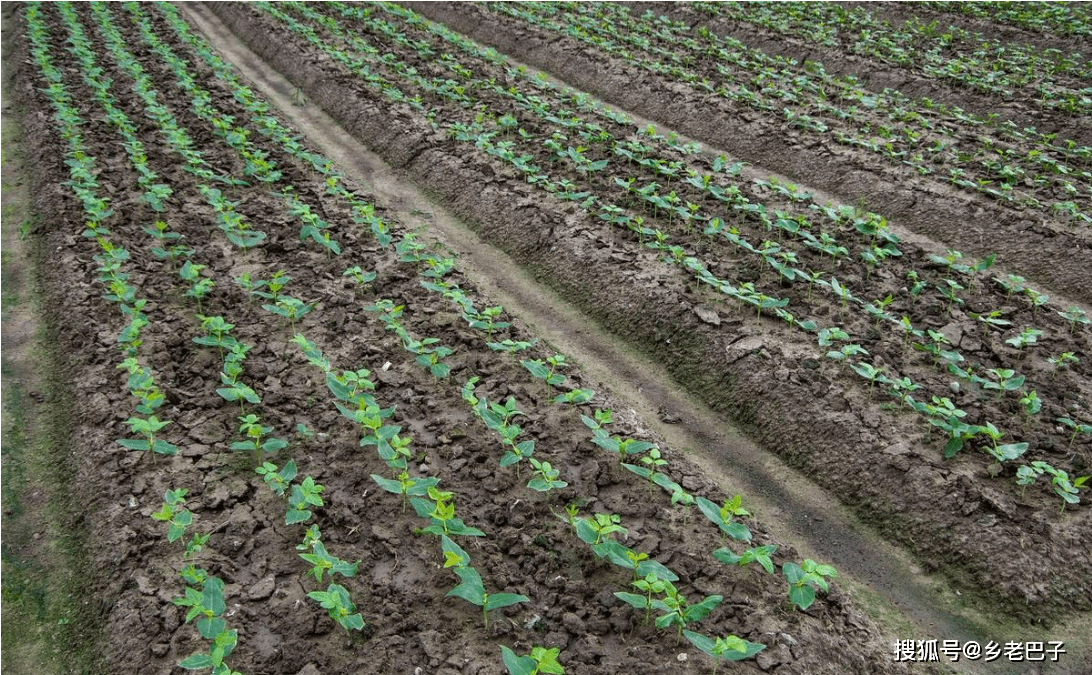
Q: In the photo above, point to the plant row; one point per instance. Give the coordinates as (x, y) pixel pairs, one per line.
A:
(947, 290)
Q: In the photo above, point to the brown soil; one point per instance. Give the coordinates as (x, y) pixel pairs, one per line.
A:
(976, 226)
(878, 75)
(1009, 552)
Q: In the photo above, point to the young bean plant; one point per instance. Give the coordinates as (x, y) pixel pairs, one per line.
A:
(175, 514)
(473, 591)
(729, 648)
(759, 554)
(148, 428)
(805, 579)
(545, 477)
(335, 600)
(252, 428)
(721, 516)
(540, 661)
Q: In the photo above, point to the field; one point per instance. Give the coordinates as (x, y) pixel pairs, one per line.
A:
(549, 337)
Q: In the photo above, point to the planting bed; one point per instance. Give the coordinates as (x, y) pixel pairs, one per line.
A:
(928, 389)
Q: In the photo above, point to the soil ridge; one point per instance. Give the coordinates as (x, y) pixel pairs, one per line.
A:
(548, 242)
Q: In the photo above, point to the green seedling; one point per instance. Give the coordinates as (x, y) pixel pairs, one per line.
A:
(406, 486)
(290, 308)
(1077, 427)
(828, 336)
(322, 562)
(1037, 299)
(410, 250)
(305, 495)
(195, 545)
(205, 605)
(651, 584)
(507, 123)
(951, 262)
(148, 428)
(200, 286)
(393, 449)
(1027, 337)
(437, 268)
(351, 386)
(304, 430)
(158, 231)
(602, 418)
(254, 431)
(937, 340)
(622, 447)
(487, 320)
(980, 266)
(599, 529)
(1007, 380)
(641, 564)
(572, 510)
(1012, 283)
(878, 308)
(760, 554)
(1001, 453)
(805, 579)
(915, 285)
(275, 284)
(842, 292)
(903, 389)
(843, 354)
(992, 319)
(545, 478)
(335, 600)
(1068, 490)
(812, 277)
(235, 390)
(1031, 403)
(729, 648)
(252, 287)
(175, 514)
(1062, 361)
(870, 373)
(217, 333)
(222, 645)
(546, 372)
(576, 396)
(454, 555)
(1075, 316)
(950, 292)
(676, 611)
(311, 536)
(361, 277)
(514, 452)
(429, 356)
(721, 516)
(173, 253)
(510, 346)
(944, 415)
(473, 591)
(652, 462)
(439, 508)
(277, 480)
(540, 660)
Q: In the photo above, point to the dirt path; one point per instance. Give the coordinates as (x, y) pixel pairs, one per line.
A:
(673, 360)
(791, 506)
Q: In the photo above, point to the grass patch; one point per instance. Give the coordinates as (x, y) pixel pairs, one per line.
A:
(49, 623)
